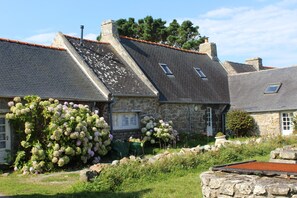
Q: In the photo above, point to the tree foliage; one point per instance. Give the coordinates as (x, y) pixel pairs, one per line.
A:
(184, 35)
(240, 122)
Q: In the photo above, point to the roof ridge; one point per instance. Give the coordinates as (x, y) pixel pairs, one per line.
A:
(269, 67)
(162, 45)
(87, 39)
(32, 44)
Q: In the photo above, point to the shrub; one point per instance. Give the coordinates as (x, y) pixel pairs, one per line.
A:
(240, 122)
(219, 134)
(52, 135)
(158, 131)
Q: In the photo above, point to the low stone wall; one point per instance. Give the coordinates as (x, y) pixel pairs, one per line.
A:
(223, 185)
(288, 154)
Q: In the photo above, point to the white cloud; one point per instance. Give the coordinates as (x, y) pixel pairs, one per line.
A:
(91, 36)
(240, 33)
(44, 38)
(47, 38)
(224, 12)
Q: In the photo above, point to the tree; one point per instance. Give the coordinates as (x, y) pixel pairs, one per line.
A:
(172, 32)
(127, 27)
(184, 36)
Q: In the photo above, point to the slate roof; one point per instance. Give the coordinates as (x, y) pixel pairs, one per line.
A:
(186, 85)
(247, 90)
(28, 69)
(240, 67)
(109, 67)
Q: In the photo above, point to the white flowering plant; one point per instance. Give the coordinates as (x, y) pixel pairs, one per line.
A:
(154, 131)
(53, 135)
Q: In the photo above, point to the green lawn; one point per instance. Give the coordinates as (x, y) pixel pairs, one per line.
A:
(173, 178)
(46, 184)
(183, 184)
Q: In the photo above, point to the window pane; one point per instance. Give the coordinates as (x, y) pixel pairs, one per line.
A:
(166, 69)
(133, 120)
(2, 128)
(2, 136)
(125, 121)
(2, 144)
(272, 88)
(2, 121)
(200, 73)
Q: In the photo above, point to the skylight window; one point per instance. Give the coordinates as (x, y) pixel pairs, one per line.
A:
(272, 88)
(200, 73)
(166, 69)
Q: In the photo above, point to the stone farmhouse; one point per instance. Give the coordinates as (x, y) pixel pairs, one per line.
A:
(125, 78)
(268, 94)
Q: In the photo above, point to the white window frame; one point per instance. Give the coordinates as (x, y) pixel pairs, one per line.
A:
(209, 127)
(287, 123)
(125, 121)
(200, 73)
(166, 69)
(3, 151)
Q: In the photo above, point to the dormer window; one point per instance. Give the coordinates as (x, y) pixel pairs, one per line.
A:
(200, 73)
(272, 88)
(166, 69)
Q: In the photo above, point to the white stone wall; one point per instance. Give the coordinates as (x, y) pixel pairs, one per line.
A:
(268, 123)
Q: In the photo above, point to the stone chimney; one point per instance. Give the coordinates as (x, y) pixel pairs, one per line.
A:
(210, 49)
(255, 62)
(108, 30)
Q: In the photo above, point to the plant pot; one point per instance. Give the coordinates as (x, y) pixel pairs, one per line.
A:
(220, 140)
(121, 148)
(136, 148)
(223, 137)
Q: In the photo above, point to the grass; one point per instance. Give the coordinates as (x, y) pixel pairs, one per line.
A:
(47, 184)
(186, 141)
(177, 177)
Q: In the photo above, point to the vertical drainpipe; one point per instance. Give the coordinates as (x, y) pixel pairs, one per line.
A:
(224, 112)
(110, 113)
(190, 118)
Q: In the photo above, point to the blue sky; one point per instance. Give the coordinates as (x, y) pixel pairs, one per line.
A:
(241, 29)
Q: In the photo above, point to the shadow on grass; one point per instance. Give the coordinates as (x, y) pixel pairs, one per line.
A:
(136, 194)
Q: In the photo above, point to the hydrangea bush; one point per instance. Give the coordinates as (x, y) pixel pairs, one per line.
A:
(158, 131)
(53, 135)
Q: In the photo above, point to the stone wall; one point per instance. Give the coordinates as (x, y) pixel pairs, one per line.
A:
(189, 118)
(141, 105)
(223, 185)
(3, 105)
(268, 123)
